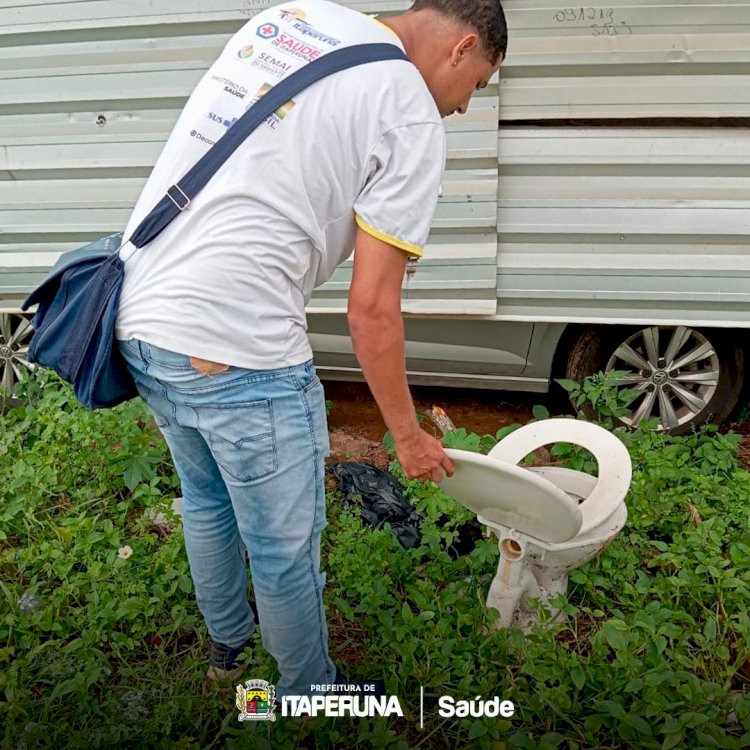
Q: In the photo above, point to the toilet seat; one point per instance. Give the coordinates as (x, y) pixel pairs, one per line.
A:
(615, 470)
(505, 494)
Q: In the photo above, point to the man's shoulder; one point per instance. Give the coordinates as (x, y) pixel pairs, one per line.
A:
(402, 98)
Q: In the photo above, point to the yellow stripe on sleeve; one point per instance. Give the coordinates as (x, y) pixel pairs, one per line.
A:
(383, 237)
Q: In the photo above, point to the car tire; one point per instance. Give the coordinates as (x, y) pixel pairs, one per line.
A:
(689, 376)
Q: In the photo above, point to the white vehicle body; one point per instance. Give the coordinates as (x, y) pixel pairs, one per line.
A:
(596, 200)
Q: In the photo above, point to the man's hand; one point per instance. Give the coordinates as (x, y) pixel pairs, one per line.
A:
(422, 457)
(377, 332)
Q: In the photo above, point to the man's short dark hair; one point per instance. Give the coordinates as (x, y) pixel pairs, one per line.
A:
(486, 16)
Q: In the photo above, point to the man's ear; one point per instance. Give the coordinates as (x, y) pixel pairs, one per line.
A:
(463, 47)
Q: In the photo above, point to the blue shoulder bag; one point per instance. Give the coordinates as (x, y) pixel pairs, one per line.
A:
(74, 325)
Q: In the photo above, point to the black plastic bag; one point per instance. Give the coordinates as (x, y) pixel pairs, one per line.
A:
(382, 500)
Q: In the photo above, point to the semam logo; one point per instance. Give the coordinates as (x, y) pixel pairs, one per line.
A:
(246, 52)
(268, 31)
(255, 701)
(273, 65)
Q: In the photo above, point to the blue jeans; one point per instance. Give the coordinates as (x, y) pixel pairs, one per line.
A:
(249, 447)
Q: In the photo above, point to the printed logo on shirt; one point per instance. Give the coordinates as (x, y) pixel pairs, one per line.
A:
(293, 47)
(268, 31)
(297, 18)
(272, 65)
(246, 52)
(227, 123)
(292, 14)
(305, 29)
(200, 137)
(231, 87)
(272, 120)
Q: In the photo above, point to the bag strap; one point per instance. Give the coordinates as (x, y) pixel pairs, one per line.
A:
(178, 197)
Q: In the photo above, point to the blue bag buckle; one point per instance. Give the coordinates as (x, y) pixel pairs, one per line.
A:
(183, 197)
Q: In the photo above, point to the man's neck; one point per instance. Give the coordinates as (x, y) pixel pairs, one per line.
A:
(413, 29)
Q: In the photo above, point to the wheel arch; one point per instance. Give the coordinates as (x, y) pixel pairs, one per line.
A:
(571, 334)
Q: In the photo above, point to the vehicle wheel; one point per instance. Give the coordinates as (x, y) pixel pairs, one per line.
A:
(687, 377)
(15, 334)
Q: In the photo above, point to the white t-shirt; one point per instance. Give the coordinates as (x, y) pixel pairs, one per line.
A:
(229, 278)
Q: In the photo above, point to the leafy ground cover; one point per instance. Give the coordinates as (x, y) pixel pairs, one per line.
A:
(101, 644)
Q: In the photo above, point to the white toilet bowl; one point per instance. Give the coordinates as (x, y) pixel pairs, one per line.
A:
(548, 520)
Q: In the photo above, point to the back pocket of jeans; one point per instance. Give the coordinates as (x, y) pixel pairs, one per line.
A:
(241, 437)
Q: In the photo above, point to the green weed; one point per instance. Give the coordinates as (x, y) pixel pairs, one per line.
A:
(99, 648)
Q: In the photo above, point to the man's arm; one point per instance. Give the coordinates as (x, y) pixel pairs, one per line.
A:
(377, 331)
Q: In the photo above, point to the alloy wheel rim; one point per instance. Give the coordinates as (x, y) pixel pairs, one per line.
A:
(676, 369)
(15, 335)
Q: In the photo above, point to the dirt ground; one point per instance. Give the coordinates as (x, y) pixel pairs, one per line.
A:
(743, 453)
(357, 429)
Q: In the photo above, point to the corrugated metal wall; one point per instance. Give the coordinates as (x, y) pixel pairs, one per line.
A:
(624, 223)
(595, 223)
(627, 58)
(90, 91)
